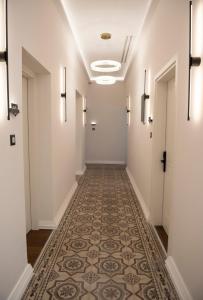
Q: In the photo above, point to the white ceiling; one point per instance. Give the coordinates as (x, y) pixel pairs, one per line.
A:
(89, 18)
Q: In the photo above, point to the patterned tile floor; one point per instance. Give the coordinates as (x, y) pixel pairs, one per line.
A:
(103, 248)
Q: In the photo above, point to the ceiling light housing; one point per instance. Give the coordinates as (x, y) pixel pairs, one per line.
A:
(105, 36)
(105, 66)
(105, 80)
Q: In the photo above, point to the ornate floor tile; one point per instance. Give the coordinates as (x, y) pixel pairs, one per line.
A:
(103, 248)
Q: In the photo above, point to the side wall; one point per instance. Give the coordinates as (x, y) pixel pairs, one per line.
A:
(41, 28)
(164, 36)
(106, 106)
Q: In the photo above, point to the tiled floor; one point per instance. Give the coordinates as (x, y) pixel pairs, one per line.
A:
(103, 248)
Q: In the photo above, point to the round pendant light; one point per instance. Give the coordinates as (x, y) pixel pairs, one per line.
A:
(105, 66)
(105, 80)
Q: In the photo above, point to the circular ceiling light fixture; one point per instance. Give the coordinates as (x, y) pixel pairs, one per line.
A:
(105, 80)
(105, 36)
(105, 66)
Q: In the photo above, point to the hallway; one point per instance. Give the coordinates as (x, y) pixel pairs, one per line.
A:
(103, 248)
(101, 121)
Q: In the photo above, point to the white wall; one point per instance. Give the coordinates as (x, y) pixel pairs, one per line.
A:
(106, 106)
(165, 35)
(41, 28)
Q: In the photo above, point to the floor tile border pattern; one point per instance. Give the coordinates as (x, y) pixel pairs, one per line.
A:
(153, 251)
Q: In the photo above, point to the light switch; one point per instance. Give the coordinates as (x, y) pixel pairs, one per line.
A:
(12, 139)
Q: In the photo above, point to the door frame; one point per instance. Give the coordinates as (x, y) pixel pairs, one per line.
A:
(28, 75)
(157, 189)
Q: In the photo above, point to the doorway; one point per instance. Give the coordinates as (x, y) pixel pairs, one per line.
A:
(80, 135)
(26, 151)
(163, 152)
(36, 131)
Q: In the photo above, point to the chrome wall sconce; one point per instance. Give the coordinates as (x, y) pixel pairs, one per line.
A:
(12, 108)
(143, 99)
(193, 61)
(63, 94)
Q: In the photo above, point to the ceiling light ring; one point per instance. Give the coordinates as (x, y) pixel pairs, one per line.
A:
(105, 80)
(105, 66)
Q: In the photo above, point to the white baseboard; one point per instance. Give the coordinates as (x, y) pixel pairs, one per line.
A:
(65, 203)
(53, 225)
(139, 195)
(81, 172)
(177, 279)
(107, 162)
(46, 225)
(22, 283)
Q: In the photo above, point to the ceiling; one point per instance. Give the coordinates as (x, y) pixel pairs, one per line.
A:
(122, 18)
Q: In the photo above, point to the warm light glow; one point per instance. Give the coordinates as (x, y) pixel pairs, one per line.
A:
(197, 32)
(105, 80)
(197, 73)
(148, 92)
(62, 87)
(2, 26)
(3, 93)
(93, 123)
(197, 94)
(105, 66)
(84, 113)
(129, 108)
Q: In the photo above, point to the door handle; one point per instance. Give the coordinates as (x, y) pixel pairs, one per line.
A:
(164, 160)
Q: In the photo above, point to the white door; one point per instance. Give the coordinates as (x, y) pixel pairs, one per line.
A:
(26, 154)
(170, 113)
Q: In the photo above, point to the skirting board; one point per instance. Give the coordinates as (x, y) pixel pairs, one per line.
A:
(81, 172)
(177, 279)
(139, 195)
(59, 215)
(22, 283)
(106, 162)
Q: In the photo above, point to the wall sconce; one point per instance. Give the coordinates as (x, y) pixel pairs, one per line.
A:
(127, 110)
(93, 124)
(4, 59)
(143, 100)
(63, 94)
(193, 61)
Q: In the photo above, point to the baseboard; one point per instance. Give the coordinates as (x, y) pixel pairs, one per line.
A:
(46, 225)
(139, 195)
(53, 225)
(177, 279)
(107, 162)
(22, 283)
(81, 172)
(64, 205)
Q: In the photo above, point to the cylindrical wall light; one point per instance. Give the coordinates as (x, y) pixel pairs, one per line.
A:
(13, 108)
(63, 93)
(143, 99)
(193, 61)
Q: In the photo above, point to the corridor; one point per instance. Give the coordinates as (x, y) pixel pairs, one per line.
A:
(101, 165)
(103, 248)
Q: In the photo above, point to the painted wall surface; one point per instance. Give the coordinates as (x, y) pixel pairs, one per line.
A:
(106, 107)
(41, 28)
(164, 36)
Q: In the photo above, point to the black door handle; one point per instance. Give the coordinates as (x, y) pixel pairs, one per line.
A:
(163, 161)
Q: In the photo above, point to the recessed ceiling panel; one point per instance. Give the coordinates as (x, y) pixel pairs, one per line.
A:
(89, 18)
